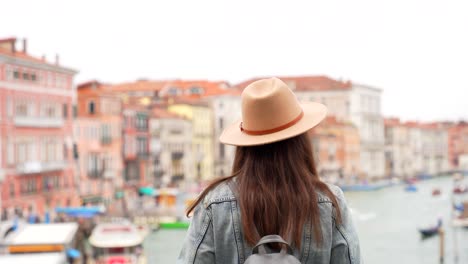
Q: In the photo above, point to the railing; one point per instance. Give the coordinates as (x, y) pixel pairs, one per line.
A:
(38, 167)
(27, 121)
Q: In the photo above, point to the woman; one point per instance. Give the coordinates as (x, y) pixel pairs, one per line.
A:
(276, 188)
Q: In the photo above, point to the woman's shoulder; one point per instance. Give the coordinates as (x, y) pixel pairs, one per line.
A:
(322, 197)
(219, 194)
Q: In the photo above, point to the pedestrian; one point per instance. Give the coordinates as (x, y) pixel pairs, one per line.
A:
(274, 189)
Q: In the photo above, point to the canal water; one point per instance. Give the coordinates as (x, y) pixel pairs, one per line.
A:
(387, 222)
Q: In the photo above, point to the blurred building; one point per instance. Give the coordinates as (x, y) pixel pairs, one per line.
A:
(226, 110)
(458, 146)
(360, 104)
(136, 138)
(36, 115)
(401, 149)
(434, 148)
(336, 146)
(98, 137)
(201, 116)
(415, 149)
(170, 148)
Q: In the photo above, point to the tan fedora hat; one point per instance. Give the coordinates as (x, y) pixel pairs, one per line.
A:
(271, 113)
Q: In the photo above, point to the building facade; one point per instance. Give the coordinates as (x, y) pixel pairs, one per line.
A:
(36, 115)
(98, 137)
(136, 155)
(458, 146)
(201, 117)
(170, 148)
(400, 149)
(414, 149)
(336, 146)
(434, 148)
(226, 110)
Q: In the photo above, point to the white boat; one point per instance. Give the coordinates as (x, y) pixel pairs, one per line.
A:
(49, 258)
(117, 243)
(40, 238)
(40, 243)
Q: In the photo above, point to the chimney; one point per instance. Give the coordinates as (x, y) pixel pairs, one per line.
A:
(57, 59)
(25, 45)
(43, 58)
(13, 46)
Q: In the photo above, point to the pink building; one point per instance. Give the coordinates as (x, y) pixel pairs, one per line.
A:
(98, 131)
(36, 112)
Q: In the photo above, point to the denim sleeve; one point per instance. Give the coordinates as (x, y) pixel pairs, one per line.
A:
(198, 246)
(345, 242)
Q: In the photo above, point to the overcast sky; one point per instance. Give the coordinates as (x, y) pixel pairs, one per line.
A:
(415, 51)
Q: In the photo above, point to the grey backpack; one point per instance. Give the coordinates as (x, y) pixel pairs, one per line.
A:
(259, 251)
(260, 255)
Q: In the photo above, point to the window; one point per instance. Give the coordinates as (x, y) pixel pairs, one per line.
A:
(93, 166)
(65, 151)
(29, 186)
(21, 109)
(25, 76)
(21, 152)
(50, 111)
(12, 190)
(142, 146)
(16, 74)
(142, 122)
(33, 77)
(65, 110)
(175, 131)
(173, 91)
(221, 123)
(221, 151)
(196, 90)
(91, 108)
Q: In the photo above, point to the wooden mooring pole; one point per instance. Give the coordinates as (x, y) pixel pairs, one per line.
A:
(441, 245)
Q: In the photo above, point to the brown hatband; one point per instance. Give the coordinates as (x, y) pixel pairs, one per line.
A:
(273, 130)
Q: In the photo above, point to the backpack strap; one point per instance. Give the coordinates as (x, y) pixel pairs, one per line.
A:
(260, 247)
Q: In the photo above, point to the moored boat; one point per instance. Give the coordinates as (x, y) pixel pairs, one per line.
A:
(431, 231)
(45, 241)
(117, 243)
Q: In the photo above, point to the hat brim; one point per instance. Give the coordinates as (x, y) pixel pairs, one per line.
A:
(314, 113)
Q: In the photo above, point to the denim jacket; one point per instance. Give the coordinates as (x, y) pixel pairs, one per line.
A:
(215, 234)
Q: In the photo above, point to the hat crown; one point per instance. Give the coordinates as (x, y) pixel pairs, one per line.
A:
(268, 104)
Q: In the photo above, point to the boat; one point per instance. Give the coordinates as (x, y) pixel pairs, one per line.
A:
(411, 188)
(39, 239)
(49, 258)
(81, 212)
(436, 192)
(365, 187)
(117, 243)
(460, 189)
(431, 231)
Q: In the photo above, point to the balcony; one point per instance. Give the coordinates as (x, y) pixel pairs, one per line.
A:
(31, 167)
(41, 122)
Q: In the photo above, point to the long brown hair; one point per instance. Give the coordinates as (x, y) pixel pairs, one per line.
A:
(277, 186)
